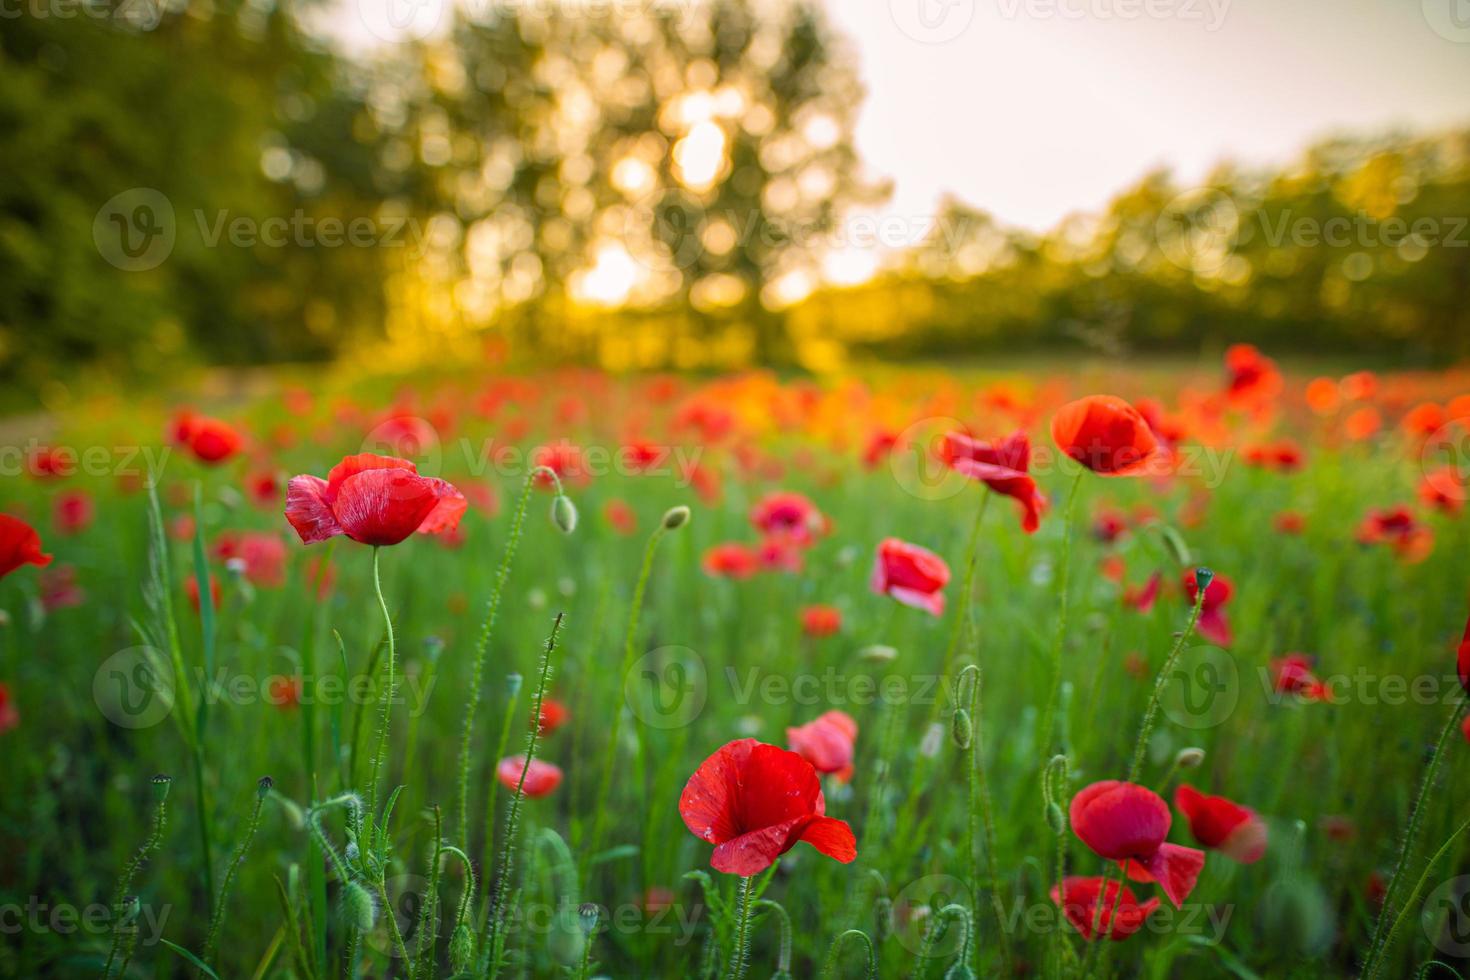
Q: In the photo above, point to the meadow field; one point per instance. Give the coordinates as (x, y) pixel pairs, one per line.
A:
(931, 686)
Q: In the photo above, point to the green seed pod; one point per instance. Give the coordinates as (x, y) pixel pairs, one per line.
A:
(358, 907)
(1056, 818)
(1189, 758)
(461, 948)
(263, 786)
(564, 513)
(1203, 577)
(676, 517)
(161, 783)
(587, 916)
(961, 729)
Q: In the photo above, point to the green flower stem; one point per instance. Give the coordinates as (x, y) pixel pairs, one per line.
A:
(125, 880)
(501, 743)
(1150, 715)
(981, 813)
(1413, 899)
(1379, 945)
(1059, 634)
(740, 955)
(487, 627)
(381, 750)
(233, 869)
(834, 954)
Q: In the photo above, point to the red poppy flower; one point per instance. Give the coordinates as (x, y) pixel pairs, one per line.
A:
(1212, 626)
(1105, 434)
(19, 545)
(1292, 674)
(563, 459)
(732, 560)
(788, 516)
(1401, 530)
(1127, 822)
(285, 692)
(880, 445)
(914, 576)
(1463, 659)
(376, 500)
(1001, 466)
(819, 621)
(554, 714)
(1445, 490)
(263, 488)
(778, 554)
(1222, 825)
(259, 555)
(541, 778)
(210, 440)
(49, 463)
(620, 516)
(754, 802)
(74, 511)
(1253, 376)
(59, 589)
(827, 743)
(1081, 907)
(9, 717)
(1143, 599)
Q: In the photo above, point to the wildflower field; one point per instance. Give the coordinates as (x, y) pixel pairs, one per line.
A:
(1055, 671)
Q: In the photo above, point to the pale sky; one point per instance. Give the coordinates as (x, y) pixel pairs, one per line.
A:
(1031, 109)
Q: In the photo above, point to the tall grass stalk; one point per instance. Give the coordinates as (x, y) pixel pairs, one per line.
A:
(263, 788)
(130, 870)
(1203, 577)
(1059, 633)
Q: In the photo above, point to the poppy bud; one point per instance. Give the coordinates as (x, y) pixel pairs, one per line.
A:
(564, 513)
(263, 786)
(1189, 758)
(353, 852)
(676, 517)
(588, 914)
(161, 783)
(358, 907)
(960, 728)
(877, 654)
(461, 948)
(1202, 578)
(1056, 818)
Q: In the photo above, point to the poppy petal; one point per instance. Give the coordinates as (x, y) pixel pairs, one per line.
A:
(308, 510)
(450, 507)
(832, 837)
(383, 506)
(1176, 869)
(708, 802)
(754, 852)
(352, 465)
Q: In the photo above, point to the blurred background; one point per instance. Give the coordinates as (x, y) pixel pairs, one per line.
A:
(713, 184)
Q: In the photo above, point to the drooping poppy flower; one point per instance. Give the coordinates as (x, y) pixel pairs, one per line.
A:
(19, 545)
(1222, 825)
(827, 743)
(1143, 599)
(210, 440)
(9, 716)
(914, 576)
(260, 556)
(376, 500)
(818, 621)
(1079, 899)
(542, 777)
(1105, 434)
(554, 714)
(1126, 822)
(1397, 527)
(1292, 674)
(789, 517)
(731, 560)
(754, 802)
(1213, 624)
(1002, 466)
(73, 511)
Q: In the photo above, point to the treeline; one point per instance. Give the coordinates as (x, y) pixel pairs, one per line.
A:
(209, 182)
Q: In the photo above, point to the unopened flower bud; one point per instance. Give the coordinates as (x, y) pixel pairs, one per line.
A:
(564, 513)
(358, 907)
(960, 728)
(263, 786)
(1203, 577)
(353, 851)
(161, 783)
(461, 948)
(1189, 758)
(676, 517)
